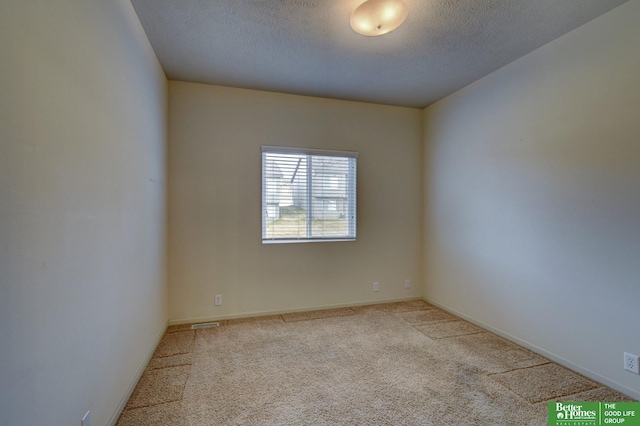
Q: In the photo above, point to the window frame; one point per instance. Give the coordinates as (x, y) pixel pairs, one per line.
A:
(350, 187)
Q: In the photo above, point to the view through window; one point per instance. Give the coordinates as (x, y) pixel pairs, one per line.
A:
(308, 195)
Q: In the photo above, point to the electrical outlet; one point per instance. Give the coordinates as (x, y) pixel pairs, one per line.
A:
(631, 363)
(376, 287)
(86, 420)
(407, 283)
(217, 300)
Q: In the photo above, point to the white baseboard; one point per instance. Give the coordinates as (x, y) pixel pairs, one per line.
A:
(284, 311)
(560, 360)
(134, 383)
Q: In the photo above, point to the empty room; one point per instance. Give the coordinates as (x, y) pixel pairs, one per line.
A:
(382, 212)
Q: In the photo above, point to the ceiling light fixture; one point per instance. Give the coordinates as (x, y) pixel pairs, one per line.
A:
(378, 17)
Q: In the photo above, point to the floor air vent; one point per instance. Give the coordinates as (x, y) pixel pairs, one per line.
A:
(205, 325)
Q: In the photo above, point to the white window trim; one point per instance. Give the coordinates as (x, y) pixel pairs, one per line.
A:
(308, 151)
(315, 152)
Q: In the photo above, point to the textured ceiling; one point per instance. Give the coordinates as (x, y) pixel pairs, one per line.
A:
(307, 46)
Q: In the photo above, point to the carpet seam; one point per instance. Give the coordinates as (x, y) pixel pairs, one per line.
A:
(553, 396)
(150, 405)
(353, 312)
(599, 386)
(518, 368)
(165, 402)
(525, 368)
(457, 335)
(561, 396)
(169, 356)
(169, 366)
(431, 322)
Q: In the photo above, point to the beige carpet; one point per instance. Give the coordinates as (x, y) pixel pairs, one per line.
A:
(406, 363)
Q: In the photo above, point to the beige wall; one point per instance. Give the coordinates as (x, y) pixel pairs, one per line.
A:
(215, 135)
(532, 198)
(82, 210)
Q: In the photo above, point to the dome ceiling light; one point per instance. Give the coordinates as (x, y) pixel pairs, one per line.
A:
(378, 17)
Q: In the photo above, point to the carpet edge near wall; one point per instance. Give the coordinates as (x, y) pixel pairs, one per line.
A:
(541, 351)
(213, 318)
(132, 386)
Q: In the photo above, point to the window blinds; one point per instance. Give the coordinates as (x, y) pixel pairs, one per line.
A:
(308, 195)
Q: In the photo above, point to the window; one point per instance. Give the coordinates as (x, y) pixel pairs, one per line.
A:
(308, 195)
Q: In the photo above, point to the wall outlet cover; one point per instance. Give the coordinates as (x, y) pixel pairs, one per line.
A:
(631, 363)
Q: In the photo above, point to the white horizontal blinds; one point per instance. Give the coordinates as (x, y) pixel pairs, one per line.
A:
(284, 196)
(309, 195)
(330, 196)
